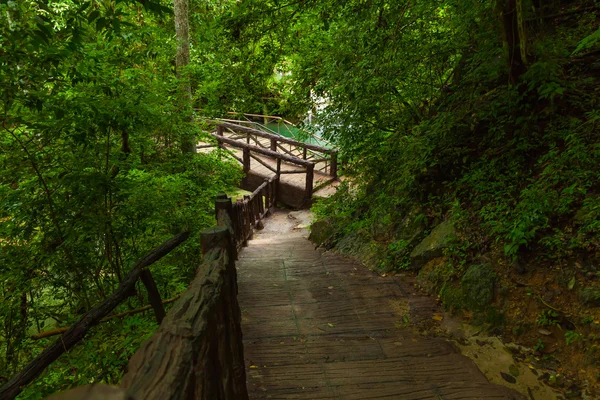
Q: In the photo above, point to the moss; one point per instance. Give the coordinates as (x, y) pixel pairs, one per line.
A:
(435, 274)
(362, 246)
(478, 284)
(321, 232)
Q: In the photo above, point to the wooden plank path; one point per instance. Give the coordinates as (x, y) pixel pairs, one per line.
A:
(321, 326)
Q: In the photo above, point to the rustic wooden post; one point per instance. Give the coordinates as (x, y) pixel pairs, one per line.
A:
(263, 197)
(223, 203)
(246, 159)
(278, 167)
(334, 164)
(275, 191)
(249, 216)
(247, 138)
(255, 210)
(197, 353)
(220, 131)
(153, 295)
(274, 144)
(308, 191)
(267, 196)
(304, 153)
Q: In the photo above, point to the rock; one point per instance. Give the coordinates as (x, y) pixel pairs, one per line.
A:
(411, 227)
(321, 232)
(477, 285)
(590, 297)
(544, 332)
(433, 245)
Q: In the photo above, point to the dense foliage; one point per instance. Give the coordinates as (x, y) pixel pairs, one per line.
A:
(91, 176)
(480, 111)
(428, 103)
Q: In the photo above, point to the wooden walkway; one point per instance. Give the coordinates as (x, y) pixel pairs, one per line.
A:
(303, 170)
(322, 181)
(321, 326)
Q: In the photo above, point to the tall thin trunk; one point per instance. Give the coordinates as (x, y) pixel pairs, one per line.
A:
(509, 18)
(182, 59)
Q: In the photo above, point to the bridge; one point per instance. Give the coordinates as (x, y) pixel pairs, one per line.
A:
(268, 316)
(303, 170)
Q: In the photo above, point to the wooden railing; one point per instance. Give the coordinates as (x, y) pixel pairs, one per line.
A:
(297, 132)
(197, 352)
(324, 159)
(247, 214)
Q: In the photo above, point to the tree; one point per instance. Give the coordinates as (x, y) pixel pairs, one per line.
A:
(182, 60)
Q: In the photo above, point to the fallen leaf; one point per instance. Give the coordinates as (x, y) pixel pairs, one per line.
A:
(508, 378)
(571, 283)
(544, 331)
(438, 317)
(330, 287)
(253, 367)
(330, 325)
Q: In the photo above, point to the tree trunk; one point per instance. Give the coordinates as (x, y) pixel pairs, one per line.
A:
(182, 59)
(512, 40)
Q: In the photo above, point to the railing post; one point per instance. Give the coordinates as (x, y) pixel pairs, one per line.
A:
(220, 131)
(153, 295)
(267, 196)
(304, 153)
(246, 159)
(278, 167)
(274, 144)
(308, 191)
(224, 203)
(249, 233)
(334, 164)
(275, 192)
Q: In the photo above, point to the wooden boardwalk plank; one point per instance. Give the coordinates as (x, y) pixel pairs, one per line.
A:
(320, 326)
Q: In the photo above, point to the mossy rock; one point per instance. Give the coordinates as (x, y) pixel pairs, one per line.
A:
(321, 232)
(478, 285)
(433, 245)
(435, 274)
(474, 291)
(411, 228)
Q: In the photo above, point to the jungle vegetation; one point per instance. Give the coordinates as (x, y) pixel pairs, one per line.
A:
(483, 111)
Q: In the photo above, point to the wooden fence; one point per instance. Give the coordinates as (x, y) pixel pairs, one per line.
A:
(324, 159)
(197, 352)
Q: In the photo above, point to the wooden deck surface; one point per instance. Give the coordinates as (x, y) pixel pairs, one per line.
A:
(321, 326)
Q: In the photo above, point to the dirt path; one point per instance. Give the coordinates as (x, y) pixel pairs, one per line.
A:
(321, 326)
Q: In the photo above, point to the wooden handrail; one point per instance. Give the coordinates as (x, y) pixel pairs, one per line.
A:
(78, 330)
(331, 154)
(282, 139)
(198, 351)
(266, 152)
(285, 121)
